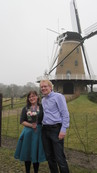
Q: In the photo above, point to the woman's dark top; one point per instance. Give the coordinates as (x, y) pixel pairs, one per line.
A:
(25, 117)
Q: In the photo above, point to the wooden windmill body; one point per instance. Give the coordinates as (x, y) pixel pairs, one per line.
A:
(74, 63)
(72, 68)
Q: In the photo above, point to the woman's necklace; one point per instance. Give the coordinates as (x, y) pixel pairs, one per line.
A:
(34, 108)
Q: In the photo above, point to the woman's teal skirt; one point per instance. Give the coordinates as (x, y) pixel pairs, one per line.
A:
(29, 146)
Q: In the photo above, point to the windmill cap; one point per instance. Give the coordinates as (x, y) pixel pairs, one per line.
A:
(70, 36)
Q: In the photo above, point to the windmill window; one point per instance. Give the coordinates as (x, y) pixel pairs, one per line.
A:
(76, 63)
(77, 50)
(68, 74)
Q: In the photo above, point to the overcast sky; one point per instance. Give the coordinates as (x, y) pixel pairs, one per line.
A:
(26, 44)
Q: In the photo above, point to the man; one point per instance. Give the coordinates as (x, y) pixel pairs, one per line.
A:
(55, 122)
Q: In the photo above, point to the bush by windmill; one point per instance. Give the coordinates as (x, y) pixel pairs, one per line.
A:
(73, 70)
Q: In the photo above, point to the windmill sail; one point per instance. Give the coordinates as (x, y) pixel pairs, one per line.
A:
(85, 57)
(88, 67)
(77, 27)
(75, 17)
(72, 61)
(72, 37)
(54, 58)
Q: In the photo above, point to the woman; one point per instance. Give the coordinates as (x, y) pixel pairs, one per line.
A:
(29, 147)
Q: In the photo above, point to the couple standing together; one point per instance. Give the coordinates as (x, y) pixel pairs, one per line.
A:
(44, 130)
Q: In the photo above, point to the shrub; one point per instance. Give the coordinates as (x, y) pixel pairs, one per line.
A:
(92, 96)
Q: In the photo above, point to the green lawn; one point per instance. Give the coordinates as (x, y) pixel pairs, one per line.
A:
(81, 135)
(83, 125)
(9, 165)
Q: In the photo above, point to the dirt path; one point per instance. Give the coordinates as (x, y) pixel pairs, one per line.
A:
(81, 159)
(77, 158)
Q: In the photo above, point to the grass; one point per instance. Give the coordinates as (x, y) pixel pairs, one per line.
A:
(10, 165)
(11, 126)
(15, 103)
(83, 125)
(81, 136)
(82, 133)
(82, 105)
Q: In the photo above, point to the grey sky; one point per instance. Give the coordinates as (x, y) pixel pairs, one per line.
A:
(25, 43)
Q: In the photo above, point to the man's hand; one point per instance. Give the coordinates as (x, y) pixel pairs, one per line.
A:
(61, 135)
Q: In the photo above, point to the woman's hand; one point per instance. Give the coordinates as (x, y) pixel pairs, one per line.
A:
(34, 125)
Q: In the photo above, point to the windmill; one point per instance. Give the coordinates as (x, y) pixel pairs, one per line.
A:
(73, 70)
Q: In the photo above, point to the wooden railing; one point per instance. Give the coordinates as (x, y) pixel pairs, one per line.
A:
(68, 77)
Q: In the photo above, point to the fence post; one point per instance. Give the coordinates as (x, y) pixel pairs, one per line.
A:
(12, 102)
(0, 116)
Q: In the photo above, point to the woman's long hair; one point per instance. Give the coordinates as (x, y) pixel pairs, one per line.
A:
(28, 95)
